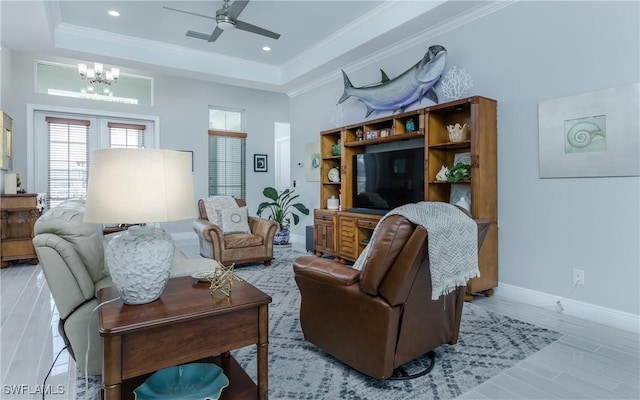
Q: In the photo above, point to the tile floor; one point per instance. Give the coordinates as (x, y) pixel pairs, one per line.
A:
(591, 361)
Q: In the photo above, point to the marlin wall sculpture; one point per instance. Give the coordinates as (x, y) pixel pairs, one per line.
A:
(397, 93)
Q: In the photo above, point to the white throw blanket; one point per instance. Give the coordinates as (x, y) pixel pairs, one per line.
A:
(452, 243)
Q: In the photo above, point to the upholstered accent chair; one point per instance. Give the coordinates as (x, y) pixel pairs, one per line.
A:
(254, 245)
(381, 317)
(71, 254)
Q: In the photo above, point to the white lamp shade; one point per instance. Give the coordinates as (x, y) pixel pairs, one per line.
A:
(129, 186)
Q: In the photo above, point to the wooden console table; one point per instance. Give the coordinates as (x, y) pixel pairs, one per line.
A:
(185, 324)
(18, 215)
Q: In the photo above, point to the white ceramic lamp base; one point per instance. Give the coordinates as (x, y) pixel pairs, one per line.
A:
(139, 262)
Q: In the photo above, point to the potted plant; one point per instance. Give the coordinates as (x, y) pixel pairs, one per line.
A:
(281, 206)
(459, 172)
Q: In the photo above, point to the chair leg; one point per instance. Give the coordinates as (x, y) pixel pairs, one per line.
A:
(401, 374)
(267, 263)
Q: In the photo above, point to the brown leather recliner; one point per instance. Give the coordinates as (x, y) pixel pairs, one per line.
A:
(238, 248)
(382, 317)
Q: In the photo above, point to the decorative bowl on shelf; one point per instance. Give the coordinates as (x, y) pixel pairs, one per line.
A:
(458, 133)
(194, 381)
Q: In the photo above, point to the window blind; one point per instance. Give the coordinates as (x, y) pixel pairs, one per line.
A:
(68, 148)
(126, 136)
(227, 163)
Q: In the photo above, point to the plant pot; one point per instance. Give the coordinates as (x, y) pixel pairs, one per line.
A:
(282, 236)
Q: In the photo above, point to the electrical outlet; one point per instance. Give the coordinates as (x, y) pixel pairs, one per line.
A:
(578, 276)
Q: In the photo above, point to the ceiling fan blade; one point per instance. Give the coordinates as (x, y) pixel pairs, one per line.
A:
(215, 34)
(190, 13)
(198, 35)
(236, 8)
(244, 26)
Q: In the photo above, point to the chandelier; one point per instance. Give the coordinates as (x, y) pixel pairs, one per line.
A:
(97, 74)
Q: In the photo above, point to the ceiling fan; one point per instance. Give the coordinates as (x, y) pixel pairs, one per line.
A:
(226, 18)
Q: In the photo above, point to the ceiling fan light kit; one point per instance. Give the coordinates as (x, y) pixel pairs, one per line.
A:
(223, 21)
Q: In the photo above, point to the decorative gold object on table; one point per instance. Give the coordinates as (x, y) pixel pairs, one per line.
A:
(223, 278)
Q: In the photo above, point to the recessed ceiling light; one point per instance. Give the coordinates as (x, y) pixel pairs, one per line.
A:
(266, 48)
(114, 13)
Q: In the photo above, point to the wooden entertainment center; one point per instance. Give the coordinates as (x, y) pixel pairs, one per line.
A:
(344, 234)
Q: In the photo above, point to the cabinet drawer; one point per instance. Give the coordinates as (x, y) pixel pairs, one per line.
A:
(18, 201)
(367, 223)
(323, 217)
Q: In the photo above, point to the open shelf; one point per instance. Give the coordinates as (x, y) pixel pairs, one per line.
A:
(386, 139)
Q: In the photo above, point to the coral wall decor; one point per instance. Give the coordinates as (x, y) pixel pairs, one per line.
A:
(456, 83)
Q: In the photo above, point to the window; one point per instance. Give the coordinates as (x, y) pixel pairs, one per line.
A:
(227, 163)
(64, 144)
(226, 119)
(63, 80)
(68, 159)
(126, 136)
(227, 158)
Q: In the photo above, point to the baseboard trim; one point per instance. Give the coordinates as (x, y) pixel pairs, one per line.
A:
(602, 315)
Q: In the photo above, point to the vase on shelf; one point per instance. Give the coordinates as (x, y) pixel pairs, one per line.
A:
(410, 125)
(336, 149)
(458, 133)
(333, 203)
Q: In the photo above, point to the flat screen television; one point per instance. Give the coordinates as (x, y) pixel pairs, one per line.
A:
(385, 180)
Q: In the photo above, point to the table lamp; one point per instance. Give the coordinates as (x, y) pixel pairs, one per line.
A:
(139, 186)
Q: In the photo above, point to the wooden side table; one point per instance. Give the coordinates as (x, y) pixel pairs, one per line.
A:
(185, 324)
(18, 215)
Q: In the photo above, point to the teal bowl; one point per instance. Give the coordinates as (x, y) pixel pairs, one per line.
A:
(196, 381)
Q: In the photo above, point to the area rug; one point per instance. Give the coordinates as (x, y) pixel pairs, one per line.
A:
(488, 344)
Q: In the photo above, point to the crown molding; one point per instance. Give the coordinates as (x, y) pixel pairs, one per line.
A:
(412, 41)
(77, 38)
(53, 15)
(375, 23)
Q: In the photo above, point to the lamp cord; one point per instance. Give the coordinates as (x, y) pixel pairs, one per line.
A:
(44, 382)
(86, 355)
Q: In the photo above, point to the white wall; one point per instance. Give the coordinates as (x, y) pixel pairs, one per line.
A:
(5, 82)
(182, 107)
(520, 55)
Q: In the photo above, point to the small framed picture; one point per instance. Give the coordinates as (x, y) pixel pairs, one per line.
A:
(260, 163)
(464, 158)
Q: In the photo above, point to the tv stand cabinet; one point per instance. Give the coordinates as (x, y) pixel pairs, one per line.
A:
(344, 234)
(354, 231)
